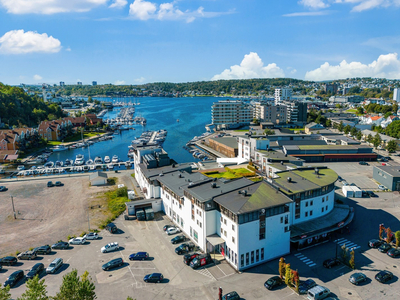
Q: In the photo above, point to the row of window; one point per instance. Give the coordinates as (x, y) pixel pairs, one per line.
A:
(312, 201)
(231, 255)
(252, 257)
(310, 213)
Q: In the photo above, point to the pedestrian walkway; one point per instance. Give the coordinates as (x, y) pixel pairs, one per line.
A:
(349, 244)
(305, 260)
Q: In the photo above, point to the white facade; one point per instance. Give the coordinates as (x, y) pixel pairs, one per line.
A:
(396, 95)
(248, 146)
(282, 95)
(231, 113)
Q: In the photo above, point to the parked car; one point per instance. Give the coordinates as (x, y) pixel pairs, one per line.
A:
(381, 187)
(331, 262)
(27, 255)
(273, 282)
(356, 278)
(374, 243)
(8, 261)
(345, 183)
(60, 245)
(231, 296)
(384, 276)
(385, 247)
(14, 278)
(363, 163)
(167, 226)
(91, 236)
(184, 248)
(173, 230)
(318, 292)
(187, 258)
(178, 239)
(36, 270)
(139, 256)
(306, 285)
(46, 249)
(364, 194)
(340, 178)
(54, 266)
(112, 228)
(112, 264)
(3, 188)
(110, 247)
(50, 184)
(21, 168)
(59, 183)
(372, 194)
(201, 260)
(77, 241)
(154, 277)
(393, 252)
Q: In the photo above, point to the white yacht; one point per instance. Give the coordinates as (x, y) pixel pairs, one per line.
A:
(59, 148)
(107, 160)
(98, 160)
(79, 160)
(89, 162)
(115, 159)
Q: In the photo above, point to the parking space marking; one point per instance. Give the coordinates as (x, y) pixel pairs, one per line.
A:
(206, 273)
(312, 265)
(349, 244)
(305, 259)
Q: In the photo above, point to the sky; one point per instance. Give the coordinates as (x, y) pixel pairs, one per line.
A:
(142, 41)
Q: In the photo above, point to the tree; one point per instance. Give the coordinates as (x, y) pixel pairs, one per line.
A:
(269, 132)
(296, 280)
(351, 261)
(377, 140)
(388, 235)
(380, 231)
(341, 126)
(288, 275)
(282, 266)
(328, 123)
(344, 252)
(359, 135)
(75, 288)
(35, 290)
(370, 138)
(360, 110)
(256, 121)
(397, 236)
(129, 298)
(353, 131)
(347, 129)
(5, 293)
(391, 146)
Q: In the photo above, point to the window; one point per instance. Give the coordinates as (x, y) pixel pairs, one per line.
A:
(224, 232)
(306, 214)
(225, 221)
(323, 199)
(326, 207)
(233, 227)
(262, 253)
(287, 228)
(222, 219)
(200, 224)
(242, 260)
(311, 203)
(247, 258)
(252, 257)
(195, 237)
(322, 209)
(281, 219)
(177, 218)
(306, 203)
(235, 259)
(257, 255)
(200, 213)
(310, 213)
(326, 198)
(233, 239)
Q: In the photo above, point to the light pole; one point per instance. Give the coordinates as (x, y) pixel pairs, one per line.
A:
(12, 202)
(88, 220)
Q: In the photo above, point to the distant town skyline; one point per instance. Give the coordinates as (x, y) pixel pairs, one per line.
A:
(140, 41)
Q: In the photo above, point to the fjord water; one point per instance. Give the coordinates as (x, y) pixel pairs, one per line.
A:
(161, 113)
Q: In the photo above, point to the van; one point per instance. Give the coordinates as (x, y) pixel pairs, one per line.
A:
(53, 267)
(112, 228)
(201, 261)
(318, 292)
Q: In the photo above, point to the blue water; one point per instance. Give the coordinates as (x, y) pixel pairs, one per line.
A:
(161, 113)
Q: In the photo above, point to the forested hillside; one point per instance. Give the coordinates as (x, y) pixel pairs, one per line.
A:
(19, 109)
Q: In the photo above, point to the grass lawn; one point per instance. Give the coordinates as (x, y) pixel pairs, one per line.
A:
(351, 111)
(296, 129)
(232, 173)
(78, 136)
(53, 143)
(241, 130)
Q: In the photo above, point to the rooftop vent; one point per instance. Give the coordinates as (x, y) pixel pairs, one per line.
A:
(180, 176)
(289, 179)
(244, 192)
(281, 162)
(161, 174)
(316, 171)
(213, 185)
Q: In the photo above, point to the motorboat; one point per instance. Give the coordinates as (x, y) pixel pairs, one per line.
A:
(59, 148)
(49, 164)
(89, 162)
(68, 162)
(58, 163)
(110, 166)
(92, 167)
(86, 168)
(79, 160)
(107, 160)
(115, 159)
(98, 160)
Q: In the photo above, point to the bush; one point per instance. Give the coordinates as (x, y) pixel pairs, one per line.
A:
(133, 175)
(17, 252)
(250, 167)
(83, 233)
(70, 237)
(112, 180)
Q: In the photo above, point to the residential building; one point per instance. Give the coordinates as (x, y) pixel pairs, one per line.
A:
(331, 88)
(368, 119)
(385, 138)
(62, 83)
(346, 99)
(277, 114)
(17, 138)
(227, 146)
(311, 127)
(54, 130)
(389, 120)
(94, 83)
(296, 111)
(284, 94)
(396, 94)
(79, 83)
(231, 114)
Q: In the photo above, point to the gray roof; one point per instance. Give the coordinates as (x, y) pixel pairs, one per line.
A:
(384, 138)
(277, 156)
(227, 141)
(257, 196)
(301, 142)
(312, 124)
(97, 174)
(203, 191)
(391, 170)
(166, 169)
(176, 180)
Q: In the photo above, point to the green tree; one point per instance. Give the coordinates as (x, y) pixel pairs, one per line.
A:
(397, 236)
(377, 140)
(282, 266)
(328, 123)
(256, 121)
(370, 138)
(391, 146)
(387, 114)
(269, 132)
(360, 110)
(75, 288)
(359, 135)
(341, 126)
(35, 290)
(351, 261)
(129, 298)
(288, 274)
(5, 293)
(347, 129)
(353, 131)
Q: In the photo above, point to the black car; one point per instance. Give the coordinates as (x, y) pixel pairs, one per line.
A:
(273, 282)
(231, 296)
(384, 276)
(184, 248)
(331, 262)
(374, 243)
(393, 252)
(364, 194)
(112, 264)
(187, 258)
(385, 247)
(3, 188)
(363, 163)
(46, 249)
(306, 285)
(50, 184)
(139, 256)
(372, 194)
(14, 278)
(58, 183)
(8, 261)
(112, 228)
(60, 245)
(36, 269)
(178, 239)
(154, 277)
(340, 178)
(165, 228)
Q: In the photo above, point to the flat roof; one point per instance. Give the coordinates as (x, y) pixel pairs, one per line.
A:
(331, 147)
(257, 196)
(227, 141)
(391, 170)
(274, 155)
(282, 167)
(175, 180)
(166, 169)
(304, 179)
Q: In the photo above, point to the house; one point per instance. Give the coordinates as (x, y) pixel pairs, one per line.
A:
(385, 138)
(54, 130)
(8, 155)
(76, 121)
(13, 139)
(388, 176)
(389, 120)
(313, 127)
(368, 119)
(93, 119)
(98, 178)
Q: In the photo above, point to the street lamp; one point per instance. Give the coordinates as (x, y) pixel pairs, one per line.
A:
(12, 202)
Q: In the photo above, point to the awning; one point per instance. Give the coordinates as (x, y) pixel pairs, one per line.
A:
(215, 240)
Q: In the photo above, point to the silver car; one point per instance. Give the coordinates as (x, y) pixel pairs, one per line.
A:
(91, 236)
(356, 278)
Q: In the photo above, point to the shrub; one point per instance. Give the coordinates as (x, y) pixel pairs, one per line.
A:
(83, 233)
(17, 252)
(133, 175)
(250, 167)
(112, 180)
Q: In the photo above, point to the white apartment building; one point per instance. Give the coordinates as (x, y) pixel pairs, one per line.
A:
(284, 94)
(231, 114)
(396, 95)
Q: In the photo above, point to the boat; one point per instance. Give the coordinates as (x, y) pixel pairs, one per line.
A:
(68, 162)
(92, 167)
(107, 159)
(98, 160)
(85, 168)
(177, 120)
(59, 148)
(49, 164)
(58, 163)
(115, 159)
(79, 160)
(110, 166)
(89, 162)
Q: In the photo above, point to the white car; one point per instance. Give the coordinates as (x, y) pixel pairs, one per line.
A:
(77, 241)
(173, 230)
(20, 168)
(91, 236)
(381, 187)
(110, 247)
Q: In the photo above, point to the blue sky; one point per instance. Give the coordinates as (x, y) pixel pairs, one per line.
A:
(140, 41)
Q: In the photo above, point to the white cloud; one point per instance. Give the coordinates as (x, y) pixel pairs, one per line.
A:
(49, 6)
(250, 67)
(118, 3)
(119, 82)
(316, 4)
(20, 42)
(386, 66)
(68, 49)
(37, 77)
(308, 13)
(140, 80)
(145, 10)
